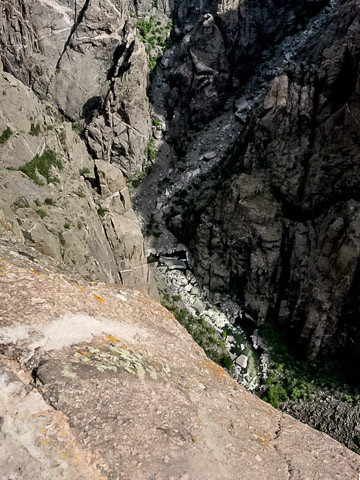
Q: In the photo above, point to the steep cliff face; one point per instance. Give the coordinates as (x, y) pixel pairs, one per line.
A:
(85, 56)
(282, 227)
(54, 198)
(220, 45)
(255, 114)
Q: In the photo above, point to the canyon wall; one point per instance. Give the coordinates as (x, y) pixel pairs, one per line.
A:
(281, 228)
(277, 225)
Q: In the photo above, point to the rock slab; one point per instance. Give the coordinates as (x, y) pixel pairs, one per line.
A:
(106, 384)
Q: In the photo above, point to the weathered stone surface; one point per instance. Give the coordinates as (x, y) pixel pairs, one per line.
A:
(35, 438)
(87, 58)
(242, 361)
(62, 218)
(120, 390)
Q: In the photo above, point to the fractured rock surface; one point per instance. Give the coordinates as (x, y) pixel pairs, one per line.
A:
(116, 388)
(85, 56)
(64, 216)
(280, 228)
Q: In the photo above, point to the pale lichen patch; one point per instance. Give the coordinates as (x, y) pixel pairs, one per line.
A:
(116, 357)
(68, 373)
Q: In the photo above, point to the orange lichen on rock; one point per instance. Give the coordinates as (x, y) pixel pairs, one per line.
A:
(111, 338)
(262, 440)
(98, 298)
(84, 354)
(213, 368)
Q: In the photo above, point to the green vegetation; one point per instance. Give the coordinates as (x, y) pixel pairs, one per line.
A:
(42, 164)
(80, 193)
(49, 201)
(84, 171)
(149, 151)
(156, 123)
(205, 336)
(62, 239)
(154, 37)
(101, 211)
(19, 204)
(152, 258)
(41, 212)
(6, 134)
(67, 225)
(76, 127)
(357, 440)
(135, 182)
(34, 130)
(293, 379)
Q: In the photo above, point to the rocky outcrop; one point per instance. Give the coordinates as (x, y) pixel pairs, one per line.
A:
(87, 57)
(280, 229)
(51, 199)
(220, 45)
(102, 382)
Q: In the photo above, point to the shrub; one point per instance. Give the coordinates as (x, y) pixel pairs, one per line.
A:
(144, 28)
(200, 332)
(275, 394)
(150, 150)
(154, 37)
(84, 171)
(297, 379)
(42, 164)
(49, 201)
(34, 130)
(6, 134)
(67, 225)
(62, 239)
(80, 193)
(76, 128)
(152, 258)
(41, 212)
(101, 211)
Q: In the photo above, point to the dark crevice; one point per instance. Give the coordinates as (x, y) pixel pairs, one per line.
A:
(78, 20)
(34, 374)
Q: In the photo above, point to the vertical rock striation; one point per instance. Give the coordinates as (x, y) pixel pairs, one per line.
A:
(86, 57)
(281, 228)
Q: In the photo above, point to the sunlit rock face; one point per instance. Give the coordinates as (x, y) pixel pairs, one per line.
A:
(72, 210)
(102, 382)
(87, 58)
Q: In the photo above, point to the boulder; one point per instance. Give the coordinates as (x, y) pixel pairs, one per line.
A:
(242, 361)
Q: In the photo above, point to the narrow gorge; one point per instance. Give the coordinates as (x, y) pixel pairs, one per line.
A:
(200, 154)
